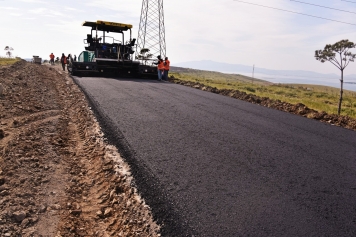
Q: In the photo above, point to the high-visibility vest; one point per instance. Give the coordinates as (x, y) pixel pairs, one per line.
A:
(51, 56)
(166, 65)
(160, 65)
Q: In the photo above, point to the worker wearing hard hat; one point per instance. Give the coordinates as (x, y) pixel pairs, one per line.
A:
(166, 68)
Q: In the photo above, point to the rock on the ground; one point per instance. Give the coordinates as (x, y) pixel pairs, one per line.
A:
(19, 216)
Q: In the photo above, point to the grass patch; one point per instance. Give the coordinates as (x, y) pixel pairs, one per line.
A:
(8, 61)
(250, 89)
(317, 97)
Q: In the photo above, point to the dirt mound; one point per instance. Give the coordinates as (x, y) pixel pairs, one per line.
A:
(58, 177)
(300, 109)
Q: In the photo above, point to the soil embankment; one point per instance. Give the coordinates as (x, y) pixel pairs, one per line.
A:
(58, 176)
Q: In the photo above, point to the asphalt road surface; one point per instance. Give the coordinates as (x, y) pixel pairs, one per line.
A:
(211, 165)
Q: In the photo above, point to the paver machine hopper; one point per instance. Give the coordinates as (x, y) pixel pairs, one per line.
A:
(106, 55)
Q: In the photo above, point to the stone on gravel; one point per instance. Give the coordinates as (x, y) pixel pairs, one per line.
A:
(2, 134)
(4, 193)
(56, 207)
(43, 208)
(75, 212)
(19, 216)
(108, 212)
(2, 180)
(25, 222)
(1, 89)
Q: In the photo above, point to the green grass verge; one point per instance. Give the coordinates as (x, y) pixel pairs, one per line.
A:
(320, 98)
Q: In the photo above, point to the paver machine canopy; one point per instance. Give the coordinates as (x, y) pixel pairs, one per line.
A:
(105, 54)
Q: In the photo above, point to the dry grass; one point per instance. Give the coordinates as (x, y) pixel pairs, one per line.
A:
(317, 97)
(8, 61)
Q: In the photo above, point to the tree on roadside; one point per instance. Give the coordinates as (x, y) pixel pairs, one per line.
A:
(340, 56)
(8, 50)
(144, 55)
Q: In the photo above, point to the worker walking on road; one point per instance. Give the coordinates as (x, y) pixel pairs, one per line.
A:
(167, 64)
(51, 61)
(63, 61)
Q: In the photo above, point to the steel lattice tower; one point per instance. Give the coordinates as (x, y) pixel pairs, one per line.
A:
(151, 33)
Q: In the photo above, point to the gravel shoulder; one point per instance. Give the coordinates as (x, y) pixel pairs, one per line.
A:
(58, 175)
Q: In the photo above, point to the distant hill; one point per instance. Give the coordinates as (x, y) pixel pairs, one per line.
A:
(239, 68)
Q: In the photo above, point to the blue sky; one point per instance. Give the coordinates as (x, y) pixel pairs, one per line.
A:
(220, 30)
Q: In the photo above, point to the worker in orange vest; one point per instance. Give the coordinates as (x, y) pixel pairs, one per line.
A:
(160, 68)
(167, 64)
(51, 61)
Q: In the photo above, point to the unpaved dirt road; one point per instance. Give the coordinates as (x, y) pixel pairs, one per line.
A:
(58, 176)
(227, 167)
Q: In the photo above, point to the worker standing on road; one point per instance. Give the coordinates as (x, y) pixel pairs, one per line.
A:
(167, 64)
(51, 61)
(63, 61)
(160, 68)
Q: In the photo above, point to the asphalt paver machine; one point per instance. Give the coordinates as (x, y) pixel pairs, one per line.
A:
(106, 55)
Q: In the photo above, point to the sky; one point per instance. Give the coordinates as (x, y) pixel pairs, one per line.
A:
(220, 30)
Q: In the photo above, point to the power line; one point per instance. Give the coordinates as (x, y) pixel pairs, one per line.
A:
(323, 6)
(295, 12)
(347, 1)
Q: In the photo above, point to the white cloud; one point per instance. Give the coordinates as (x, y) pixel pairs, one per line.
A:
(46, 12)
(9, 8)
(73, 9)
(38, 10)
(34, 1)
(15, 14)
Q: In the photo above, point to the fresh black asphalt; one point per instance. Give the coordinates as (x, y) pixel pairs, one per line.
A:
(210, 165)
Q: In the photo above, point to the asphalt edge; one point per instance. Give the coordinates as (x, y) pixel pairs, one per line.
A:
(163, 210)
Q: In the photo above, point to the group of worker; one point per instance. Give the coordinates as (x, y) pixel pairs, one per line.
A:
(163, 68)
(64, 60)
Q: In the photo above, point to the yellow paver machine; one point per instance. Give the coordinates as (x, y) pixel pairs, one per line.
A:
(106, 55)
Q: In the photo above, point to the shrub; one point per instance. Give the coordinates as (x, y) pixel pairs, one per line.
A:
(291, 94)
(250, 89)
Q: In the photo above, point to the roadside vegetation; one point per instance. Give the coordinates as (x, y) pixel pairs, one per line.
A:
(320, 98)
(339, 55)
(8, 61)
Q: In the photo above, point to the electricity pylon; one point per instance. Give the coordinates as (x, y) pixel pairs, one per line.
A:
(151, 33)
